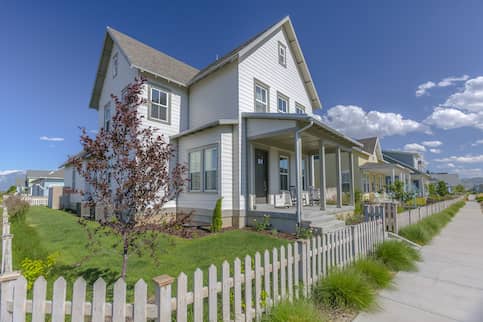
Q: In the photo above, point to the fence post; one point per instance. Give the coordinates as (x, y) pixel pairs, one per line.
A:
(355, 243)
(162, 286)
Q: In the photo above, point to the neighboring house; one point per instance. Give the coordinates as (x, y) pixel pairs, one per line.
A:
(376, 174)
(451, 179)
(417, 180)
(244, 125)
(38, 182)
(74, 185)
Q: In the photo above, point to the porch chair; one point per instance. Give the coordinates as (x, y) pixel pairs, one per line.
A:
(314, 195)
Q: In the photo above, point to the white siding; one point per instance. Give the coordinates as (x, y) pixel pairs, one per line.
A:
(262, 64)
(215, 97)
(222, 136)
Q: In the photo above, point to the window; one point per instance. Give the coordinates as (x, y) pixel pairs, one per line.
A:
(211, 169)
(114, 65)
(195, 170)
(346, 181)
(124, 94)
(283, 164)
(282, 54)
(365, 183)
(203, 169)
(73, 178)
(261, 98)
(282, 103)
(299, 109)
(107, 116)
(159, 105)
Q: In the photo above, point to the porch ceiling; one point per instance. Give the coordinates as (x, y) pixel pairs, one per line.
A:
(384, 168)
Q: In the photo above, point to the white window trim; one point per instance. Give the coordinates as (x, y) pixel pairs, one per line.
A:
(281, 156)
(115, 65)
(285, 98)
(168, 104)
(202, 168)
(260, 84)
(282, 59)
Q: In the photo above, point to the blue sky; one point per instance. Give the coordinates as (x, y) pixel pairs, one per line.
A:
(367, 59)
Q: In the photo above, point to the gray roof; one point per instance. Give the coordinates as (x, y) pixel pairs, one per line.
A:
(140, 56)
(369, 144)
(36, 174)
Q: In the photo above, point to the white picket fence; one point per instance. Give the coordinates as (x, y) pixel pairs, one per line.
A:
(246, 289)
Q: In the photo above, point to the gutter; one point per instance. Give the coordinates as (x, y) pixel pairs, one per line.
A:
(298, 169)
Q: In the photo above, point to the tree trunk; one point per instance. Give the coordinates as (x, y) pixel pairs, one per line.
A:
(124, 255)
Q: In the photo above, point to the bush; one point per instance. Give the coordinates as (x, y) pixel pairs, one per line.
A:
(344, 290)
(16, 206)
(416, 233)
(216, 221)
(397, 256)
(34, 268)
(375, 272)
(298, 311)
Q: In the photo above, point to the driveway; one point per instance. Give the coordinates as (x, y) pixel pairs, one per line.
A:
(449, 283)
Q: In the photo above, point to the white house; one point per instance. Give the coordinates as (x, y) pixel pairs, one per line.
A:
(244, 125)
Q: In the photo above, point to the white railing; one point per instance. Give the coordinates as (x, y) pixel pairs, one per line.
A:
(244, 291)
(36, 201)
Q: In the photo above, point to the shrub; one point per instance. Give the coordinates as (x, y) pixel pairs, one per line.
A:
(416, 233)
(304, 232)
(344, 290)
(17, 207)
(375, 272)
(397, 256)
(34, 268)
(298, 311)
(264, 224)
(216, 221)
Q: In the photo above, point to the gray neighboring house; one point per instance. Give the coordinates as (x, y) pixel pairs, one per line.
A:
(451, 179)
(38, 182)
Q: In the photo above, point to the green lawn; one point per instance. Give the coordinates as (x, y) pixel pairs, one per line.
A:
(48, 231)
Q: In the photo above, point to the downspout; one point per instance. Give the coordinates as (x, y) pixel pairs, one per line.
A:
(298, 169)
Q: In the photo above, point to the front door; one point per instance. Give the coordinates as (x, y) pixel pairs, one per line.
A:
(261, 175)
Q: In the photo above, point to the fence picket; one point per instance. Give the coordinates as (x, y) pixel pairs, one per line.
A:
(198, 296)
(78, 299)
(181, 294)
(212, 294)
(58, 300)
(290, 272)
(296, 277)
(225, 290)
(266, 276)
(319, 257)
(140, 299)
(119, 301)
(283, 275)
(314, 260)
(237, 290)
(19, 299)
(248, 288)
(98, 301)
(304, 268)
(275, 275)
(38, 302)
(258, 286)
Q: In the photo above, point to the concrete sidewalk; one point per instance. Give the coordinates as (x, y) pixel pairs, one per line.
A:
(449, 283)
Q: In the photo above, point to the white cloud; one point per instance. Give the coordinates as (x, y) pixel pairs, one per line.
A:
(468, 173)
(470, 99)
(477, 142)
(445, 82)
(451, 165)
(51, 139)
(354, 121)
(432, 144)
(448, 81)
(462, 159)
(414, 147)
(435, 151)
(451, 118)
(7, 172)
(423, 88)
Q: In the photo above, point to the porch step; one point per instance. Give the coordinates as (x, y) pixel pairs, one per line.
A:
(325, 223)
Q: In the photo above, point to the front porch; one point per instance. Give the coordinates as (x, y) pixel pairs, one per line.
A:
(299, 170)
(378, 177)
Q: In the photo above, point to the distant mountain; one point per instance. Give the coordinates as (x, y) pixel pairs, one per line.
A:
(469, 183)
(9, 177)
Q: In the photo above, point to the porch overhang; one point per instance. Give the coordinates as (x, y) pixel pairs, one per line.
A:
(386, 169)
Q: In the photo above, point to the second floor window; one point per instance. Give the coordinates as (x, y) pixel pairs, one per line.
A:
(299, 109)
(282, 103)
(261, 98)
(107, 116)
(158, 109)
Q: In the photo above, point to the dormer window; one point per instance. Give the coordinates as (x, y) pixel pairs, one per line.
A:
(114, 65)
(282, 54)
(159, 108)
(299, 108)
(282, 103)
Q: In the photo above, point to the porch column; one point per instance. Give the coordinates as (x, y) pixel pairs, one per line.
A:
(410, 183)
(338, 175)
(351, 176)
(422, 187)
(298, 176)
(393, 176)
(323, 201)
